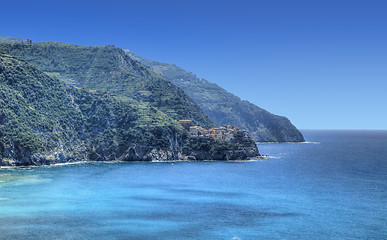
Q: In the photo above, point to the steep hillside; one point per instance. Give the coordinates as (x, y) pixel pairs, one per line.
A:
(109, 69)
(43, 121)
(225, 108)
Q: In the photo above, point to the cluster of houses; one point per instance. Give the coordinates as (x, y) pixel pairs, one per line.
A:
(224, 133)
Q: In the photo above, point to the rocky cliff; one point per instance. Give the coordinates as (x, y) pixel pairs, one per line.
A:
(44, 121)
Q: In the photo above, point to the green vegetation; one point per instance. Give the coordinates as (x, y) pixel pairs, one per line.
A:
(41, 114)
(109, 69)
(43, 120)
(225, 108)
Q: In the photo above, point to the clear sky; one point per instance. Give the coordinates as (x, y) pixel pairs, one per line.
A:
(321, 63)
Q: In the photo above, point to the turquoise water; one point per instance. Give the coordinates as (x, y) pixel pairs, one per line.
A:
(334, 187)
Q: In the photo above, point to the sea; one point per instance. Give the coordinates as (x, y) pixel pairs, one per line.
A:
(334, 186)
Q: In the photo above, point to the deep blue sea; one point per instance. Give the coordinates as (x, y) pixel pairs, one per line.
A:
(333, 187)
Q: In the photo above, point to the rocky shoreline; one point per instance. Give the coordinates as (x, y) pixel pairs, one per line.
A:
(119, 161)
(179, 149)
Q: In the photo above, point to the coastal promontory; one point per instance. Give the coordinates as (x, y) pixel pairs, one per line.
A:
(44, 120)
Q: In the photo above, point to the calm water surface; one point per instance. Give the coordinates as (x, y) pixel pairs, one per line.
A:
(334, 187)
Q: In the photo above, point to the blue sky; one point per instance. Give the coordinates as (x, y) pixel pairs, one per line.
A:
(321, 63)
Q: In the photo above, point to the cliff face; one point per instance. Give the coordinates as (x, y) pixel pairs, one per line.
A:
(204, 148)
(45, 121)
(225, 108)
